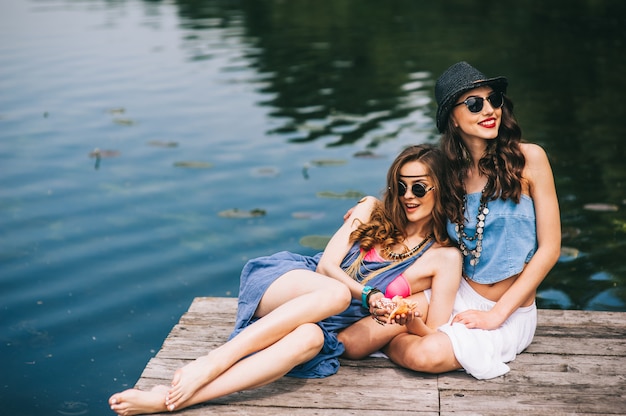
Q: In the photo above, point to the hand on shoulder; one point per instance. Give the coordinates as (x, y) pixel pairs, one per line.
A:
(362, 209)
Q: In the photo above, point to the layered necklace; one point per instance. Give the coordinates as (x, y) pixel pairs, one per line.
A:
(401, 256)
(480, 229)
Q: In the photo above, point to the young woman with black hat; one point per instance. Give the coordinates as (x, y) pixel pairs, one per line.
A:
(503, 214)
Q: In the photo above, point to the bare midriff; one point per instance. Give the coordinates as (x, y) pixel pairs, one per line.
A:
(494, 291)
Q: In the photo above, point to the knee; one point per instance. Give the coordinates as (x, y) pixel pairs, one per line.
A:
(310, 339)
(337, 297)
(432, 355)
(425, 354)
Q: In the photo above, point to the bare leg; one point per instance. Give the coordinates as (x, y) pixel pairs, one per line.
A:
(259, 369)
(366, 336)
(430, 354)
(264, 367)
(137, 402)
(296, 298)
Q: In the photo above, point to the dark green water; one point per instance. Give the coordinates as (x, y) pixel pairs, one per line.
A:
(209, 106)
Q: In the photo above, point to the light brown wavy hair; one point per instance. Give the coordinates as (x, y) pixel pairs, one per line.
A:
(388, 221)
(502, 163)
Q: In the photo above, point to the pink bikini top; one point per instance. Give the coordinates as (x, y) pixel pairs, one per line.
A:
(399, 286)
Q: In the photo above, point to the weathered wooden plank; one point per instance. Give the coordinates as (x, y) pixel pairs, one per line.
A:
(580, 330)
(578, 345)
(575, 365)
(245, 409)
(535, 382)
(587, 364)
(549, 402)
(329, 394)
(581, 318)
(230, 410)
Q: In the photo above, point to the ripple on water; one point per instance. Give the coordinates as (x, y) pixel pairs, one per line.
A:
(71, 408)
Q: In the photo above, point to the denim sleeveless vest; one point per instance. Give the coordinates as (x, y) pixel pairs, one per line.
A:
(509, 239)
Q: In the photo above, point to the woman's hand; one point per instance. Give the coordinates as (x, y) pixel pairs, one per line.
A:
(406, 318)
(381, 308)
(478, 319)
(377, 312)
(348, 213)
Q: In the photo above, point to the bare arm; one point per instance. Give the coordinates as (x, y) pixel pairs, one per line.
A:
(445, 284)
(543, 192)
(339, 245)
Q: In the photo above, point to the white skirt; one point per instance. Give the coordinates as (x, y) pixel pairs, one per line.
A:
(484, 353)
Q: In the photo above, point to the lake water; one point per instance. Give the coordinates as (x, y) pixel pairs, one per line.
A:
(228, 130)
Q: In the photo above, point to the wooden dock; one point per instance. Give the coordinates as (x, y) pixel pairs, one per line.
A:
(576, 365)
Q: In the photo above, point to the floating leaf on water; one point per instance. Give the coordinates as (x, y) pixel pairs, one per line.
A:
(307, 215)
(570, 232)
(554, 297)
(600, 207)
(345, 195)
(104, 154)
(569, 254)
(123, 121)
(159, 143)
(607, 300)
(236, 213)
(310, 109)
(367, 154)
(268, 171)
(329, 162)
(317, 242)
(620, 225)
(118, 110)
(311, 128)
(190, 164)
(601, 276)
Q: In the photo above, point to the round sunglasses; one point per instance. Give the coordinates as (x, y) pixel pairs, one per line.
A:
(475, 104)
(418, 189)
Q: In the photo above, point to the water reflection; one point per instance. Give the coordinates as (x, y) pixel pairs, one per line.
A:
(214, 106)
(355, 73)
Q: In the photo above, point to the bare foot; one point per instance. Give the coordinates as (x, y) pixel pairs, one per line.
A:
(189, 379)
(418, 327)
(138, 402)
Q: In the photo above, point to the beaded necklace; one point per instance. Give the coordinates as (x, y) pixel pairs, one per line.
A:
(401, 256)
(480, 229)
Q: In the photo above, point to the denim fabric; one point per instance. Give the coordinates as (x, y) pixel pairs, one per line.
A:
(258, 274)
(509, 240)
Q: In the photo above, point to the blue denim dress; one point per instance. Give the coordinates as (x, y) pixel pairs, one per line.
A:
(258, 274)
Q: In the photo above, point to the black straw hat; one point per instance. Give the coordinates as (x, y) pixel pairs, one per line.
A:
(456, 80)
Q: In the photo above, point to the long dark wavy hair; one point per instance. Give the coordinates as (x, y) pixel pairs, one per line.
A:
(388, 221)
(502, 163)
